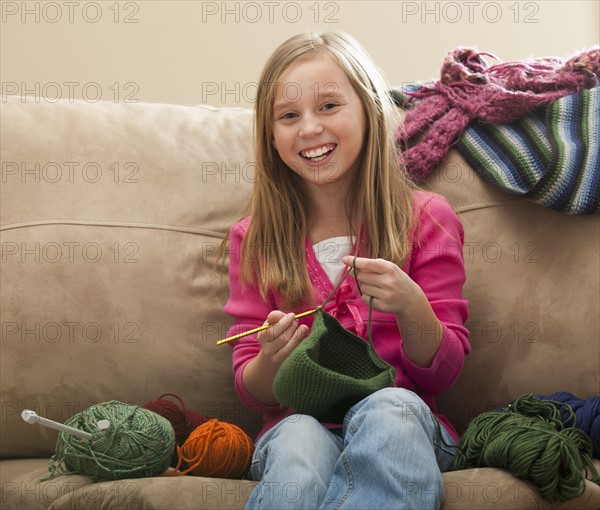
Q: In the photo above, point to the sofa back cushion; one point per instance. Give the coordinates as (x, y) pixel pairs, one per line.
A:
(534, 307)
(112, 215)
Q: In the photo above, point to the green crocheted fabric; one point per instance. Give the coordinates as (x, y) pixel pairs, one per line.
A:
(330, 371)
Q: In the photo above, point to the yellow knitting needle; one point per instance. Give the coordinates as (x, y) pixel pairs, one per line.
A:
(262, 328)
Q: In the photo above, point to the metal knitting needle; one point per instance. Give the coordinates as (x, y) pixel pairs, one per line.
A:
(262, 328)
(32, 417)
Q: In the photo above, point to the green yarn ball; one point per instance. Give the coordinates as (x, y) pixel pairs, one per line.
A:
(530, 440)
(139, 443)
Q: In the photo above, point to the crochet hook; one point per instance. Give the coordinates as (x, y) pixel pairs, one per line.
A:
(32, 417)
(262, 328)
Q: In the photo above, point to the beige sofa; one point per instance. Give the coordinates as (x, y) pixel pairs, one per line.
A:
(111, 218)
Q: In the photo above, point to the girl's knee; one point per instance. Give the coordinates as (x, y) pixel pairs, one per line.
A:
(300, 428)
(299, 447)
(302, 435)
(396, 398)
(388, 403)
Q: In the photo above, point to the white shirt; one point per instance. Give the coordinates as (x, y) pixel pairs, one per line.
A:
(330, 253)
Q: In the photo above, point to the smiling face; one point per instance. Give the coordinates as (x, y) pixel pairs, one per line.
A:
(319, 123)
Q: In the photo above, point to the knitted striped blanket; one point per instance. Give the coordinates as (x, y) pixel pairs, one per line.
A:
(550, 155)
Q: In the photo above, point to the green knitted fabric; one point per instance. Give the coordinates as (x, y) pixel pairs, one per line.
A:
(330, 371)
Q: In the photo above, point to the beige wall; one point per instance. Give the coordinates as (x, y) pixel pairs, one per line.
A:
(193, 52)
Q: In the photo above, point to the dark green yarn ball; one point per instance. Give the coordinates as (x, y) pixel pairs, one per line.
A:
(530, 440)
(139, 443)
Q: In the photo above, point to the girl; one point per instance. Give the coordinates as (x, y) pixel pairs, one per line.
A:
(329, 185)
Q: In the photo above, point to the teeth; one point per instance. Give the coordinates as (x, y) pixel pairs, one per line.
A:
(314, 153)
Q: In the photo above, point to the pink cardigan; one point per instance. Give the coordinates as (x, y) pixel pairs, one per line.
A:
(435, 263)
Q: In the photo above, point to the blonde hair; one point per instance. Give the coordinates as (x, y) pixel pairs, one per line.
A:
(273, 249)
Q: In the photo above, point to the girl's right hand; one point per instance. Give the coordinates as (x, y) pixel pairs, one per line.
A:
(278, 342)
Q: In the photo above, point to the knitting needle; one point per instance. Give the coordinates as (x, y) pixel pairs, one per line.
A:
(32, 417)
(262, 328)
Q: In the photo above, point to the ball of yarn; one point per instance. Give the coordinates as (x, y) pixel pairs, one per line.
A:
(138, 443)
(218, 449)
(182, 420)
(530, 440)
(587, 415)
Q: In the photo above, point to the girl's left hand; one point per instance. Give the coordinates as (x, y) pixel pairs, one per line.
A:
(392, 290)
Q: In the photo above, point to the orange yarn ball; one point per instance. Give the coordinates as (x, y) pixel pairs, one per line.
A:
(218, 449)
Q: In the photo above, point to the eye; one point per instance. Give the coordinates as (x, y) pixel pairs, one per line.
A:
(287, 116)
(329, 106)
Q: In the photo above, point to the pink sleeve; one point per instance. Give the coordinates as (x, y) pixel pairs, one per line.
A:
(437, 266)
(249, 311)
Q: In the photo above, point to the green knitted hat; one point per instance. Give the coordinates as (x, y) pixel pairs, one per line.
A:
(330, 371)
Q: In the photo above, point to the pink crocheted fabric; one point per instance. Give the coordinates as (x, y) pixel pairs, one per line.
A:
(470, 90)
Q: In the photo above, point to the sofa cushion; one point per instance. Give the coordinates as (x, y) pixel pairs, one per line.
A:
(181, 493)
(109, 285)
(22, 488)
(497, 489)
(532, 285)
(471, 489)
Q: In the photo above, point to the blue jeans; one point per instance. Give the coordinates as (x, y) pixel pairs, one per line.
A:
(389, 454)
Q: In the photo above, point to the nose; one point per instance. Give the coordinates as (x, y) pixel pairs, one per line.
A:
(310, 126)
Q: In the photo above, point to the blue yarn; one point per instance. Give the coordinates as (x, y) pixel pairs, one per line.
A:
(587, 415)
